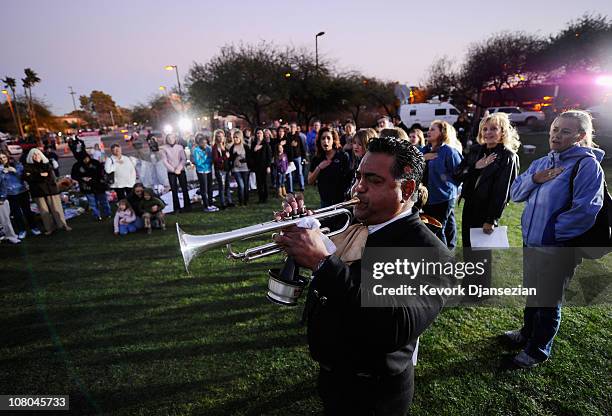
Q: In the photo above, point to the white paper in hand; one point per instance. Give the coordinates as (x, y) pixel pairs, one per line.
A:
(498, 239)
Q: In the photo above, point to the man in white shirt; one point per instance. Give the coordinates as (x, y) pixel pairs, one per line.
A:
(123, 169)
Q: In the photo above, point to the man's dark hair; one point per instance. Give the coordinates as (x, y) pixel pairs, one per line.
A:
(114, 145)
(406, 155)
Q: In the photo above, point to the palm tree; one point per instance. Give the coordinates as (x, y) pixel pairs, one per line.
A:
(31, 79)
(11, 84)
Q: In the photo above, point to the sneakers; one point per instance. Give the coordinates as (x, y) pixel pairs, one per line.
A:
(35, 231)
(68, 228)
(515, 337)
(22, 235)
(525, 360)
(211, 208)
(149, 230)
(13, 240)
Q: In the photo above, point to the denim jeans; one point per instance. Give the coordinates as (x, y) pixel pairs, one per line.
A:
(21, 212)
(94, 200)
(299, 172)
(223, 185)
(205, 180)
(280, 179)
(127, 228)
(549, 273)
(242, 179)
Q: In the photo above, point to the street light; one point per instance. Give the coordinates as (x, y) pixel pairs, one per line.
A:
(178, 81)
(317, 49)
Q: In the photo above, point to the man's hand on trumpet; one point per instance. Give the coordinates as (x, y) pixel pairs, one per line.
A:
(292, 206)
(304, 245)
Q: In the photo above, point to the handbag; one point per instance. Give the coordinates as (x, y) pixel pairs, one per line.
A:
(291, 168)
(109, 178)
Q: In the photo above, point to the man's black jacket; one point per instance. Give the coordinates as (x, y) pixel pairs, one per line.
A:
(346, 337)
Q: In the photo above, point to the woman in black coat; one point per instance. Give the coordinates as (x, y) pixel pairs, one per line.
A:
(487, 174)
(43, 188)
(262, 159)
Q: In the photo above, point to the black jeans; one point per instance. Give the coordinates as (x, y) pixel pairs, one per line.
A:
(445, 213)
(262, 185)
(21, 212)
(206, 189)
(350, 394)
(175, 180)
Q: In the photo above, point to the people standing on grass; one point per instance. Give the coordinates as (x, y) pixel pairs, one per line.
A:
(43, 188)
(262, 158)
(17, 196)
(5, 212)
(487, 173)
(152, 208)
(330, 168)
(203, 160)
(125, 218)
(90, 176)
(563, 192)
(282, 163)
(442, 160)
(296, 154)
(174, 159)
(239, 158)
(123, 171)
(223, 169)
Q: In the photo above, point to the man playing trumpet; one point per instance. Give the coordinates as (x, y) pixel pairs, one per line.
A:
(365, 354)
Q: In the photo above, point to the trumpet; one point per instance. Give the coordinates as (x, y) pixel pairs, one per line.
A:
(193, 245)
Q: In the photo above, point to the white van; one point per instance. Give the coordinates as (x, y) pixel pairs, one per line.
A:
(421, 115)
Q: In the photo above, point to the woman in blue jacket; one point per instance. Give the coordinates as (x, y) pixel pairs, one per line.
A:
(17, 195)
(552, 218)
(442, 157)
(203, 159)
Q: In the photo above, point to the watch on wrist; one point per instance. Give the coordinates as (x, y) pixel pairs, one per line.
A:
(323, 260)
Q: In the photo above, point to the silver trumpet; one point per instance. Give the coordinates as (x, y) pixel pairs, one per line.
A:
(193, 245)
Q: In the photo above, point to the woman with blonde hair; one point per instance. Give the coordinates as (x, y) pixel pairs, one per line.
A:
(442, 157)
(564, 192)
(43, 188)
(487, 173)
(417, 138)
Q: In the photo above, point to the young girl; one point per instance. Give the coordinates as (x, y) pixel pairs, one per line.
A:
(125, 218)
(152, 207)
(282, 163)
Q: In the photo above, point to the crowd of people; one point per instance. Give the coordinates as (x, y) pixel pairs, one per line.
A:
(403, 179)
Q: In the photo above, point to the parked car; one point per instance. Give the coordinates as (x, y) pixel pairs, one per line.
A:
(519, 115)
(421, 115)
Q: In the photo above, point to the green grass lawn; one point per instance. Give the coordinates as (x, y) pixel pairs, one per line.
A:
(117, 324)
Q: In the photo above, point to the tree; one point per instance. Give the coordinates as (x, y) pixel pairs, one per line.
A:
(99, 106)
(583, 45)
(31, 79)
(443, 78)
(503, 62)
(242, 81)
(11, 84)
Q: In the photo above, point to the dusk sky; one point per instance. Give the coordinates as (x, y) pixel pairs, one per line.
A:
(121, 47)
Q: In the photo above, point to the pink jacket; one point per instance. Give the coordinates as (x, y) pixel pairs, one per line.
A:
(127, 216)
(173, 157)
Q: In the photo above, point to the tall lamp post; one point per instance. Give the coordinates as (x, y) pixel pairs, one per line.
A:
(10, 104)
(317, 49)
(178, 80)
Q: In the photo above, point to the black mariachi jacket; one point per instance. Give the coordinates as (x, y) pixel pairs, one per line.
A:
(379, 341)
(488, 189)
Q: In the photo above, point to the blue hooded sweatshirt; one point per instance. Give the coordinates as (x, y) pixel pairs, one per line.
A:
(441, 185)
(546, 220)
